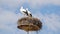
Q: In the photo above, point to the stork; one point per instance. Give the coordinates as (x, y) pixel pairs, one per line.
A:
(25, 12)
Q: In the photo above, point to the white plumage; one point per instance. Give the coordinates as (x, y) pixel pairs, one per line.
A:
(22, 10)
(28, 11)
(25, 12)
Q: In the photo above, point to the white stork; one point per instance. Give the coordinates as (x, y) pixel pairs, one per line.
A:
(25, 12)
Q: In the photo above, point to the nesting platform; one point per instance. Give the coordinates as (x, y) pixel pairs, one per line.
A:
(29, 24)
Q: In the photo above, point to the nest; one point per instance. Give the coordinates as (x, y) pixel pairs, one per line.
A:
(29, 24)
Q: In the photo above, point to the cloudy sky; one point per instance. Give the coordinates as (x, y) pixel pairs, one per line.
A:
(48, 11)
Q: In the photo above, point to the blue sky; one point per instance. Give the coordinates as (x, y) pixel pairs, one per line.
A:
(48, 11)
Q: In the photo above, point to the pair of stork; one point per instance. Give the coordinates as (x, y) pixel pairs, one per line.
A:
(25, 12)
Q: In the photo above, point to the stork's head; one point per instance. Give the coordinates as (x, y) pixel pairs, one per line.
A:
(21, 9)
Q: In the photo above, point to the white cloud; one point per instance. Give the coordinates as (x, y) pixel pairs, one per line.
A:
(7, 16)
(32, 3)
(52, 21)
(11, 3)
(8, 20)
(36, 3)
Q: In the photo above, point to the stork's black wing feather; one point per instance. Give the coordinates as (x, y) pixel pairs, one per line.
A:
(26, 12)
